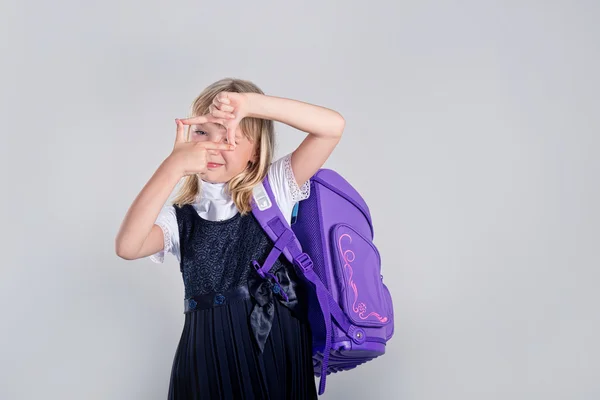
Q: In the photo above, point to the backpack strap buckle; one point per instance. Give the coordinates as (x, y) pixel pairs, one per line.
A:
(258, 269)
(304, 262)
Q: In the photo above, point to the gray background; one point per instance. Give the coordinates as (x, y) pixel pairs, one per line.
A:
(472, 132)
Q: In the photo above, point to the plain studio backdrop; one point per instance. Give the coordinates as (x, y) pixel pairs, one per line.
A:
(472, 132)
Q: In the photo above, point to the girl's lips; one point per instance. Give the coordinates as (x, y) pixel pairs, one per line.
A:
(213, 165)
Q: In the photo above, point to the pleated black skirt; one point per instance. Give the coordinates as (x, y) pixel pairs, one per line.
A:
(217, 359)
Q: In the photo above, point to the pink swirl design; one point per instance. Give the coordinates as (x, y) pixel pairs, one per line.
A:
(361, 308)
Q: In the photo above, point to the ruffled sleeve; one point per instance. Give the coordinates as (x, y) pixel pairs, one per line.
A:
(285, 188)
(167, 221)
(298, 193)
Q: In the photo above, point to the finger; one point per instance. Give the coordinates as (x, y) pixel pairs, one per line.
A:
(223, 97)
(215, 111)
(180, 135)
(231, 134)
(215, 146)
(221, 106)
(222, 114)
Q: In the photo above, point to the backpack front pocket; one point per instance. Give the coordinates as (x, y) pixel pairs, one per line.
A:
(357, 265)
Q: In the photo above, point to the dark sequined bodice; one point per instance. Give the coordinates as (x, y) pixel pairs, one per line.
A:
(217, 256)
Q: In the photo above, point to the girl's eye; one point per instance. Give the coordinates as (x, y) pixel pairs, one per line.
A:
(200, 132)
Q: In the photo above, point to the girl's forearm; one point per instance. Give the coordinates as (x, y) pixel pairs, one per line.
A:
(315, 120)
(144, 210)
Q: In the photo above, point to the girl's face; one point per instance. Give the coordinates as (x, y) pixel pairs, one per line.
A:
(223, 165)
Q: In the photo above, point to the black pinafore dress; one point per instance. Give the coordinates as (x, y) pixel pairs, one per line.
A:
(244, 337)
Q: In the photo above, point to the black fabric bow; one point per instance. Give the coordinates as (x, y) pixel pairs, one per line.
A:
(263, 290)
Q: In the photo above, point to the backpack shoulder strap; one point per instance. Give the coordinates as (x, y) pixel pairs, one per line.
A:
(272, 221)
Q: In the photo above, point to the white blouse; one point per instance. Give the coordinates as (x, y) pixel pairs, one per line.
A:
(215, 205)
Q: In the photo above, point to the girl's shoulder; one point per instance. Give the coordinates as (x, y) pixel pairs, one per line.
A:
(286, 190)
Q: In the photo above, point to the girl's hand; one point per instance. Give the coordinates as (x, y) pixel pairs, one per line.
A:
(231, 107)
(189, 158)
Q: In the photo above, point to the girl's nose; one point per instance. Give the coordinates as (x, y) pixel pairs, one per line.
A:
(220, 137)
(217, 138)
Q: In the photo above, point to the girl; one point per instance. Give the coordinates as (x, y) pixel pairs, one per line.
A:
(243, 337)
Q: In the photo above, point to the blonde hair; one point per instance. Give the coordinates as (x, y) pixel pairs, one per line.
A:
(259, 131)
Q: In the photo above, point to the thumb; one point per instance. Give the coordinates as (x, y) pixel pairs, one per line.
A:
(180, 134)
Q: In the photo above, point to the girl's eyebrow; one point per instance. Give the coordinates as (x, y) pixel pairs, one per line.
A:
(210, 125)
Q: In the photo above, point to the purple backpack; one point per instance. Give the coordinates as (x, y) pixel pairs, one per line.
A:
(330, 242)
